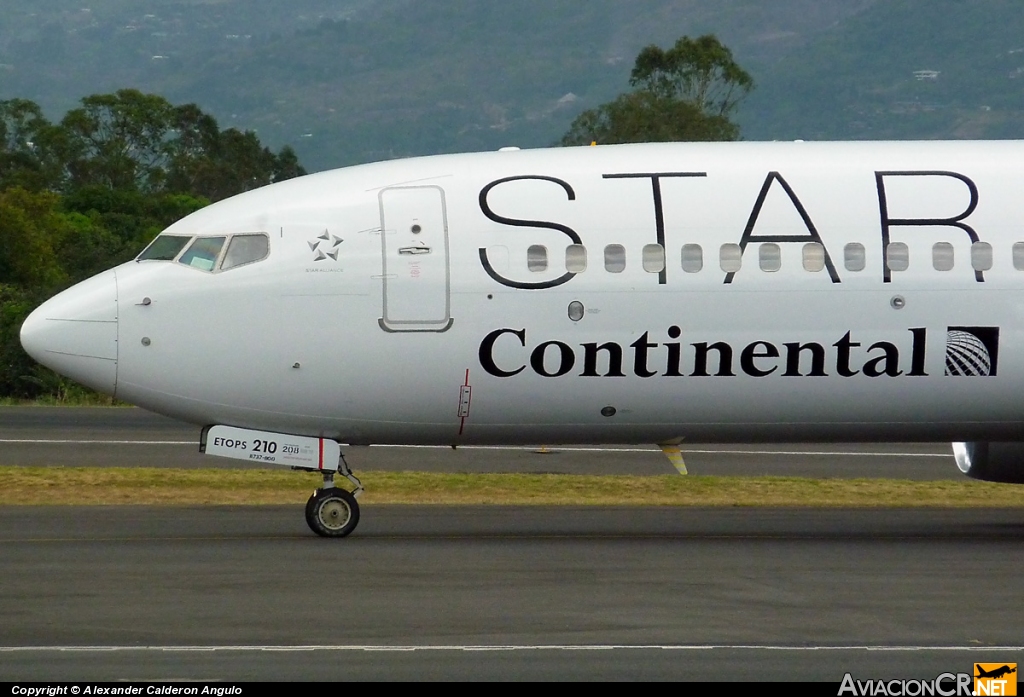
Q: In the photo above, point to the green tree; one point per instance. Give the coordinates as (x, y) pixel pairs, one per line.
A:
(234, 162)
(121, 141)
(286, 165)
(130, 141)
(644, 117)
(197, 145)
(29, 272)
(22, 128)
(684, 93)
(15, 305)
(29, 222)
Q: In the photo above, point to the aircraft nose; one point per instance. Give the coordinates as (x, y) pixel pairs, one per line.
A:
(75, 332)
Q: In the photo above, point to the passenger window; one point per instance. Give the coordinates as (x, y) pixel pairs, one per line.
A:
(615, 258)
(854, 257)
(245, 249)
(575, 258)
(981, 256)
(942, 256)
(769, 257)
(164, 248)
(730, 257)
(1018, 256)
(653, 258)
(203, 253)
(692, 258)
(537, 258)
(813, 257)
(899, 256)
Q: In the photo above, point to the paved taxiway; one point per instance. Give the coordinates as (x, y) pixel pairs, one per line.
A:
(128, 437)
(421, 592)
(598, 593)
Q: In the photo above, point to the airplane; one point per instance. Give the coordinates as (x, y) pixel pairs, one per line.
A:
(995, 672)
(649, 293)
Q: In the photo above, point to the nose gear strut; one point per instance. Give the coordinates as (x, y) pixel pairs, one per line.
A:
(334, 512)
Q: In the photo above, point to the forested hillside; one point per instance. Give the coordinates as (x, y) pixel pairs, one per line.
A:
(900, 69)
(346, 81)
(349, 81)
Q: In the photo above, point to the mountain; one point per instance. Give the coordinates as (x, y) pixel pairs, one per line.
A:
(347, 81)
(903, 69)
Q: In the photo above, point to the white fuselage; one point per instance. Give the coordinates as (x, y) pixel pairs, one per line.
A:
(435, 301)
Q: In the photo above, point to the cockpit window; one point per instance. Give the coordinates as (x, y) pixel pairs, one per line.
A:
(203, 253)
(245, 249)
(164, 248)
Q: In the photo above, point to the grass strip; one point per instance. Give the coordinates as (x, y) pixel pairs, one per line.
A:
(162, 486)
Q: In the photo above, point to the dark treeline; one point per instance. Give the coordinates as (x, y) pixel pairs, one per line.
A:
(89, 192)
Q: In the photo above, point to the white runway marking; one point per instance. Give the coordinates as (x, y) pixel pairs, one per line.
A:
(552, 448)
(818, 453)
(507, 648)
(54, 441)
(691, 451)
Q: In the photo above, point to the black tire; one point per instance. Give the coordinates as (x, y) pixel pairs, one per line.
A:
(332, 512)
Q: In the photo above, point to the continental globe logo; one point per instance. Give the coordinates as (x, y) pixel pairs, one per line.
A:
(972, 351)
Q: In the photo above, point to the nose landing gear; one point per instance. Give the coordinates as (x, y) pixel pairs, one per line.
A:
(334, 512)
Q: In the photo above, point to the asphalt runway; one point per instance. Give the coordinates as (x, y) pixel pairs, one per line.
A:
(497, 593)
(507, 593)
(130, 437)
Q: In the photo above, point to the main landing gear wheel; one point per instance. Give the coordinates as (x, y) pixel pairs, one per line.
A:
(332, 512)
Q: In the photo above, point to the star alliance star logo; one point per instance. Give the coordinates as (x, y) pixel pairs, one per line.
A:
(324, 246)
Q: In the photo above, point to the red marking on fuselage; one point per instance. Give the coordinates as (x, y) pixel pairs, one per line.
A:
(462, 422)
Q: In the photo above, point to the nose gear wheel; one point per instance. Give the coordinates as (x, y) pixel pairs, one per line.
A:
(332, 512)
